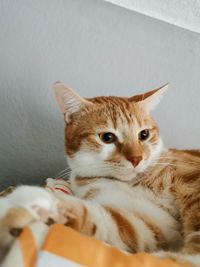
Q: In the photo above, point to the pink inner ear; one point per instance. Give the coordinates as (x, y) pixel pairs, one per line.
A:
(68, 100)
(138, 98)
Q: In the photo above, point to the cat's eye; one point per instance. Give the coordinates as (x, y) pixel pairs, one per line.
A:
(107, 137)
(144, 134)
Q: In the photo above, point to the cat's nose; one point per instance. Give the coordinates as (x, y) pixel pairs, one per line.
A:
(135, 160)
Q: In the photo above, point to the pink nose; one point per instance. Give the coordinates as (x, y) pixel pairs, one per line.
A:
(135, 160)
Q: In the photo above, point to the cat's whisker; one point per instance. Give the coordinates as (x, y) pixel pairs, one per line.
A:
(63, 177)
(64, 173)
(65, 170)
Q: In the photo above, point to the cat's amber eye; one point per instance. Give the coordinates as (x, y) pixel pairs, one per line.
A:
(108, 137)
(144, 134)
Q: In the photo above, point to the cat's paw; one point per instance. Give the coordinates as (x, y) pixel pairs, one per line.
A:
(69, 210)
(11, 224)
(23, 206)
(72, 212)
(40, 203)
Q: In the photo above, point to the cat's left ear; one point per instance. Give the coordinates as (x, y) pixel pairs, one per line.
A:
(150, 99)
(68, 100)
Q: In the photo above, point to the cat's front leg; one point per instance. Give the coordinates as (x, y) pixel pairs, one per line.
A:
(75, 213)
(106, 224)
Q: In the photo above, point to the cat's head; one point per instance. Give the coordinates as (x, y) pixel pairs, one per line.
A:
(109, 136)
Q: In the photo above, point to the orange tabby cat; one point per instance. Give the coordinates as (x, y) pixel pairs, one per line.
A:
(130, 191)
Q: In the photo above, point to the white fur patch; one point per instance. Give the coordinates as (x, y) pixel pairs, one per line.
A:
(30, 197)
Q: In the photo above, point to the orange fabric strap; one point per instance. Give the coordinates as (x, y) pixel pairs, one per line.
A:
(28, 248)
(69, 244)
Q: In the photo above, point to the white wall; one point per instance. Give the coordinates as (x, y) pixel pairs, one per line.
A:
(99, 49)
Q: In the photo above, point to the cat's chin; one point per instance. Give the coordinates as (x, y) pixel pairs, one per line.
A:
(130, 175)
(124, 174)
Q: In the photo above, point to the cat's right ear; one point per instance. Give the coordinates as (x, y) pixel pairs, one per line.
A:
(149, 100)
(68, 100)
